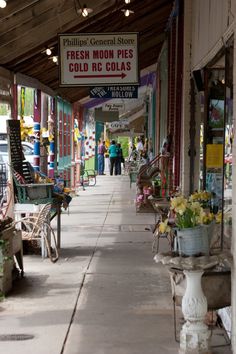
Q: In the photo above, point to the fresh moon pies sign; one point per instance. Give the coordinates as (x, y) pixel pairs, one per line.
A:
(98, 59)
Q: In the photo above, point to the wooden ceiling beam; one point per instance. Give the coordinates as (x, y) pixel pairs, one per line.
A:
(17, 18)
(149, 20)
(41, 29)
(13, 9)
(91, 21)
(142, 25)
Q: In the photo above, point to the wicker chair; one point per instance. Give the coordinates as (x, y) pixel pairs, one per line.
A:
(38, 228)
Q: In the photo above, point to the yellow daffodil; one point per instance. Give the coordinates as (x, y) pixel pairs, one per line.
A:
(195, 207)
(177, 202)
(163, 227)
(200, 196)
(206, 218)
(180, 209)
(218, 217)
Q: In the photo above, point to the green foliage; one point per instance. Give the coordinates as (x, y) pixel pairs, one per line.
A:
(3, 258)
(157, 181)
(124, 141)
(3, 109)
(2, 244)
(187, 220)
(29, 101)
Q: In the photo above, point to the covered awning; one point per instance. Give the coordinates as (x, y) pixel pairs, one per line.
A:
(28, 27)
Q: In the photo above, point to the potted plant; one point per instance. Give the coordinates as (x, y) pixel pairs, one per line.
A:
(203, 197)
(192, 238)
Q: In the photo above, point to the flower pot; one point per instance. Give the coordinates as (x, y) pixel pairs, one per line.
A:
(209, 230)
(193, 241)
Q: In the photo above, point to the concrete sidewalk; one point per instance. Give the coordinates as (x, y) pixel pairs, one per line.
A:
(105, 295)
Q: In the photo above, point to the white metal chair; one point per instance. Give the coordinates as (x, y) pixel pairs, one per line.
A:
(39, 228)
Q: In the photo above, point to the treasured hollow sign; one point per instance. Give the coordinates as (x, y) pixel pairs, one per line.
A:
(127, 92)
(98, 59)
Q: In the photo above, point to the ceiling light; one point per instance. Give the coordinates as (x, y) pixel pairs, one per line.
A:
(127, 1)
(127, 12)
(48, 51)
(55, 59)
(85, 11)
(3, 4)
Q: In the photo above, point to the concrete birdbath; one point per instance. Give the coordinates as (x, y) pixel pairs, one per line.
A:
(194, 335)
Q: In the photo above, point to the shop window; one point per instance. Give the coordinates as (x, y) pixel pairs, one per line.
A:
(214, 137)
(217, 142)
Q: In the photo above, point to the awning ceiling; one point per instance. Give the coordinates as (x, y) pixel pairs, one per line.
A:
(27, 27)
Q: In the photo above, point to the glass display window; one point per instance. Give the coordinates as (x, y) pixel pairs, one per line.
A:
(217, 138)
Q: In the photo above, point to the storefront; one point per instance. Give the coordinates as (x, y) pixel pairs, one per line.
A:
(64, 139)
(6, 99)
(218, 132)
(211, 66)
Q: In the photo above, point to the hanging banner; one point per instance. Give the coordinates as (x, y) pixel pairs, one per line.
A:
(126, 92)
(98, 59)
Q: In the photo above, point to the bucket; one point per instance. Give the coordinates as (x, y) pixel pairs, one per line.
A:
(193, 241)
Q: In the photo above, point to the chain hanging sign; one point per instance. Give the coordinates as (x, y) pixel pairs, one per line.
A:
(98, 59)
(127, 92)
(118, 125)
(113, 107)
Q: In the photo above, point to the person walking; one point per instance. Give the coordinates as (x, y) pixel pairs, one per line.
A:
(119, 159)
(140, 146)
(101, 151)
(113, 157)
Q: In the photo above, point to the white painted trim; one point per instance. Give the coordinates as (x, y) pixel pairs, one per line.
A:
(221, 43)
(24, 80)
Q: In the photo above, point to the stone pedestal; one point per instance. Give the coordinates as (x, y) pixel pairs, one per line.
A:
(6, 260)
(194, 336)
(12, 246)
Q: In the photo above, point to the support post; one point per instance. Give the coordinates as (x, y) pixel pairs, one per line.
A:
(194, 336)
(37, 124)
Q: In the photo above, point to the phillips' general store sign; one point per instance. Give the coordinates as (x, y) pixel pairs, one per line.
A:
(98, 59)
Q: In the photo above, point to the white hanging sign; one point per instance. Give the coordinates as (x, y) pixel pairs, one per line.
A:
(118, 125)
(98, 59)
(113, 107)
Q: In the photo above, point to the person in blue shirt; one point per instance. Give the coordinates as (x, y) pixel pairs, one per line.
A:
(119, 158)
(113, 157)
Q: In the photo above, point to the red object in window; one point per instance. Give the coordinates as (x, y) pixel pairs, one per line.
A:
(228, 159)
